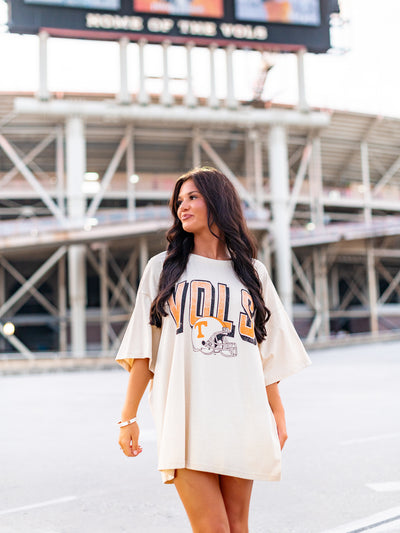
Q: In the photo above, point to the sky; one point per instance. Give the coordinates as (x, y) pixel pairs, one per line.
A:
(365, 78)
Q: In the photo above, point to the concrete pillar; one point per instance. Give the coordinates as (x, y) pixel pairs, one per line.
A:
(143, 97)
(231, 102)
(249, 160)
(62, 306)
(104, 299)
(130, 171)
(60, 159)
(2, 301)
(133, 275)
(196, 149)
(279, 182)
(265, 251)
(43, 90)
(190, 98)
(334, 286)
(322, 291)
(123, 97)
(316, 186)
(302, 103)
(372, 289)
(213, 101)
(366, 182)
(143, 254)
(258, 172)
(76, 167)
(166, 96)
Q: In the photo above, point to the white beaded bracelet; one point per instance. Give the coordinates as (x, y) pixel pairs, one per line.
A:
(123, 424)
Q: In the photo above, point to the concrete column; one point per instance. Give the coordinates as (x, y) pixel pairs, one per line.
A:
(334, 286)
(190, 99)
(130, 171)
(265, 252)
(302, 103)
(143, 97)
(231, 102)
(143, 254)
(76, 167)
(196, 149)
(372, 289)
(60, 162)
(104, 299)
(316, 186)
(249, 160)
(258, 172)
(2, 301)
(366, 182)
(43, 91)
(62, 306)
(213, 101)
(123, 97)
(322, 291)
(133, 275)
(166, 96)
(279, 181)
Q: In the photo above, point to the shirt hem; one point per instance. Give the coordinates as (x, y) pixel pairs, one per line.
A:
(127, 362)
(168, 474)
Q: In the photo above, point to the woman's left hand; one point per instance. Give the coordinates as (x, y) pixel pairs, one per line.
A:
(281, 427)
(278, 411)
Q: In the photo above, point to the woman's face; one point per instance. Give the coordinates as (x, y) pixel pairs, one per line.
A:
(192, 209)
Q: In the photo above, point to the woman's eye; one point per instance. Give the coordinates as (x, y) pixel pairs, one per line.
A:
(193, 197)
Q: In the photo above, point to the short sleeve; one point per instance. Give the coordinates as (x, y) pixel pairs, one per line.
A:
(141, 340)
(282, 351)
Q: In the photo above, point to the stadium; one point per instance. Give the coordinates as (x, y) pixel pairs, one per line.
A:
(85, 181)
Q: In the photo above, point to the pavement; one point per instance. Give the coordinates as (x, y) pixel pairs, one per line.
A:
(61, 469)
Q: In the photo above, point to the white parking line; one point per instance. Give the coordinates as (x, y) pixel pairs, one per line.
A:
(389, 486)
(40, 504)
(371, 439)
(376, 523)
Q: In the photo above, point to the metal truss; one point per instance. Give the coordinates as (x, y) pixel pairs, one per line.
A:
(339, 277)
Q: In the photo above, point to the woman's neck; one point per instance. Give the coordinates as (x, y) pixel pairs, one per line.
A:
(210, 247)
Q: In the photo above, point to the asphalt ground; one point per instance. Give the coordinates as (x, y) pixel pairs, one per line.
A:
(61, 469)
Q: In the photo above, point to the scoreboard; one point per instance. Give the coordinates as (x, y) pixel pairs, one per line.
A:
(285, 25)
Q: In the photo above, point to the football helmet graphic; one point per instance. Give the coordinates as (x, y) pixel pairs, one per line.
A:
(209, 336)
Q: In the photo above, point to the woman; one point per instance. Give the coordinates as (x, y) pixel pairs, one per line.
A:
(199, 331)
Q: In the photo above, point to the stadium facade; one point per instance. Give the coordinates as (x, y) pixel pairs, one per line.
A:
(84, 187)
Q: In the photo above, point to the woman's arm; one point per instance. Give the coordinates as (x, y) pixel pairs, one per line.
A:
(139, 377)
(278, 411)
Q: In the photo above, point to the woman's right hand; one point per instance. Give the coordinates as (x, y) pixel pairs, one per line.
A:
(129, 440)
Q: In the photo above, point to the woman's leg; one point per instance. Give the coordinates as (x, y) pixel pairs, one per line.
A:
(236, 493)
(201, 496)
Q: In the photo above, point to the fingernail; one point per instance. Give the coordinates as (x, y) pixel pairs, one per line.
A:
(135, 452)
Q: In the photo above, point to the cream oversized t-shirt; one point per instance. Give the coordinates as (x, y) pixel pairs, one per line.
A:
(208, 393)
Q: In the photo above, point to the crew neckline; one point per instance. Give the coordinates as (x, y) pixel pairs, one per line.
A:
(211, 259)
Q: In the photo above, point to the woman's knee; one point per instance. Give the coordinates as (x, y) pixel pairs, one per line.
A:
(238, 521)
(239, 526)
(213, 525)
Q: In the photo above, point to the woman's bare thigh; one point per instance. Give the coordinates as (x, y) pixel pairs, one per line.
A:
(201, 496)
(236, 493)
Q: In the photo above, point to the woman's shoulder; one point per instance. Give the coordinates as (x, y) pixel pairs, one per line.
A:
(157, 260)
(151, 274)
(261, 269)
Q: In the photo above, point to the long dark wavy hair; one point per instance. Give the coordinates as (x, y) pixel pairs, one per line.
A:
(225, 211)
